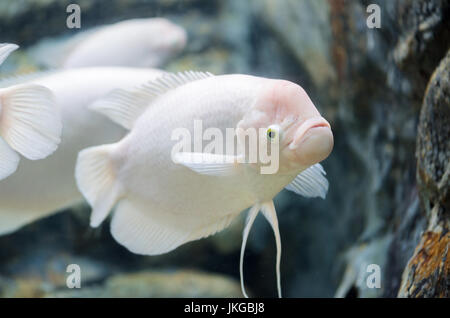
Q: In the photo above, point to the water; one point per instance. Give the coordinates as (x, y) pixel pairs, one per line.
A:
(357, 78)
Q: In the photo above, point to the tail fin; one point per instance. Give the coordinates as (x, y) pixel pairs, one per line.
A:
(96, 179)
(5, 50)
(30, 121)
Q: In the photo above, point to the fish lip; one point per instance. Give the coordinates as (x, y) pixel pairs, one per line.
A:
(315, 122)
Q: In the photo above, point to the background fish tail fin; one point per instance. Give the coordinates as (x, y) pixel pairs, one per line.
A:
(252, 213)
(5, 50)
(9, 160)
(96, 179)
(30, 121)
(270, 213)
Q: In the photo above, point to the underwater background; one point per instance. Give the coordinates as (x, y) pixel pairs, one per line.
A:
(385, 92)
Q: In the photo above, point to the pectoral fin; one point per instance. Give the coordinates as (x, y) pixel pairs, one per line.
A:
(209, 164)
(310, 183)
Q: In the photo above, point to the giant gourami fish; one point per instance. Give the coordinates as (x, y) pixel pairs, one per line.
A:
(40, 188)
(30, 122)
(164, 198)
(136, 43)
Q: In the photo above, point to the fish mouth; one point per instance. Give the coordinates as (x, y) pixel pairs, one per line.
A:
(310, 125)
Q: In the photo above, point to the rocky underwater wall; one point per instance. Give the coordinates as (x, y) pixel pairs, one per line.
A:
(386, 93)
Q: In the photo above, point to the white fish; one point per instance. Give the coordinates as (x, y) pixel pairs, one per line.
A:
(135, 43)
(41, 188)
(30, 122)
(162, 204)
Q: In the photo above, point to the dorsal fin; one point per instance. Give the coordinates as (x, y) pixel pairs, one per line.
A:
(124, 106)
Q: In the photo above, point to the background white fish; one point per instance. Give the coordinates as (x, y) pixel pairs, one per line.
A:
(30, 122)
(44, 187)
(162, 205)
(146, 42)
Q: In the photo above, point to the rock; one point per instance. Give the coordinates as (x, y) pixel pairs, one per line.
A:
(358, 260)
(159, 284)
(23, 287)
(385, 98)
(43, 273)
(303, 28)
(427, 273)
(424, 26)
(433, 144)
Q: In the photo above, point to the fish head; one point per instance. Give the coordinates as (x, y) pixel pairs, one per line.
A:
(303, 136)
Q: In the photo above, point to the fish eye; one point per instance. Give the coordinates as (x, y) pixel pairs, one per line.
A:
(273, 132)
